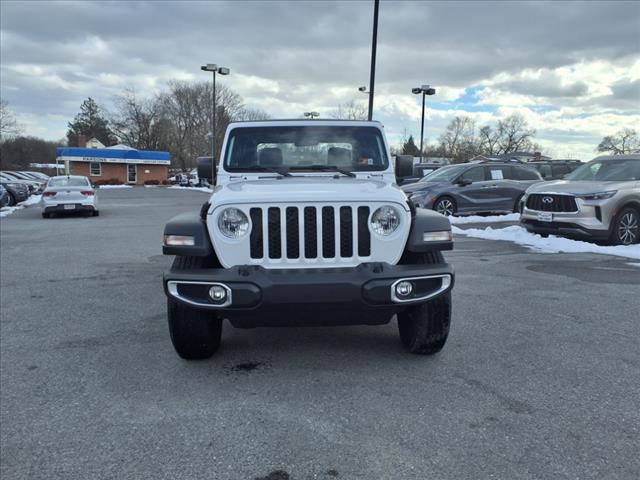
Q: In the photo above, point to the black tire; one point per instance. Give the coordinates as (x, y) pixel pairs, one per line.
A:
(12, 199)
(424, 328)
(195, 334)
(45, 215)
(516, 206)
(626, 227)
(446, 206)
(96, 213)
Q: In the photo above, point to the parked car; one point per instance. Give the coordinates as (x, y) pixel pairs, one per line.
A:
(69, 193)
(555, 169)
(4, 196)
(473, 188)
(16, 191)
(32, 185)
(600, 200)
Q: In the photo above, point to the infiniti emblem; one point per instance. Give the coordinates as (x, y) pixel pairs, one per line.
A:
(547, 199)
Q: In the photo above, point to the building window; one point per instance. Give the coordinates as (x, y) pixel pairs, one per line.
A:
(95, 169)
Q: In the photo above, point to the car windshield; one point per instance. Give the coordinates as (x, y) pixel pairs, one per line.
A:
(286, 148)
(68, 182)
(444, 174)
(607, 171)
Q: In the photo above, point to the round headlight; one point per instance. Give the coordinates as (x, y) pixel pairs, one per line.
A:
(385, 220)
(233, 223)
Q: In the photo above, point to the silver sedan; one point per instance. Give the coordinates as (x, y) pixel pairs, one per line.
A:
(69, 193)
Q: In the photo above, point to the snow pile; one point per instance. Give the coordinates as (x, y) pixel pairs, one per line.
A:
(198, 189)
(115, 186)
(511, 217)
(32, 200)
(551, 244)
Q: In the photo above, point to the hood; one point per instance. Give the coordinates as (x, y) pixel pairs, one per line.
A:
(421, 186)
(576, 187)
(304, 189)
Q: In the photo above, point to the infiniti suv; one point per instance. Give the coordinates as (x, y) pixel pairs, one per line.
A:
(600, 200)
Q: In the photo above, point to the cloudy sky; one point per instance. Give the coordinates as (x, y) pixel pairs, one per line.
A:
(571, 68)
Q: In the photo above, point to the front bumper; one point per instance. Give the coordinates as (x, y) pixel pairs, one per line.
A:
(256, 296)
(591, 220)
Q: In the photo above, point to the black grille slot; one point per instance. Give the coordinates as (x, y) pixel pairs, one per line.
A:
(275, 248)
(346, 232)
(328, 233)
(310, 233)
(364, 238)
(552, 203)
(256, 233)
(293, 234)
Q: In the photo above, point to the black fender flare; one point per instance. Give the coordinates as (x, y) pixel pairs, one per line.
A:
(191, 225)
(424, 221)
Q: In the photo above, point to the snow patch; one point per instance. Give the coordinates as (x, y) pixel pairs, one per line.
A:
(114, 186)
(511, 217)
(551, 244)
(198, 189)
(32, 200)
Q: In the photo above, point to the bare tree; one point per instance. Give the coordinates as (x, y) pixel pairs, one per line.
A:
(458, 140)
(247, 114)
(139, 123)
(623, 142)
(8, 124)
(514, 134)
(351, 110)
(488, 141)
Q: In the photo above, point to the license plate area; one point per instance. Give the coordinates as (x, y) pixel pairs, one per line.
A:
(69, 207)
(545, 217)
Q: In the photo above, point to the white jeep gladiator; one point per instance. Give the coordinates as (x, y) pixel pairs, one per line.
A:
(306, 227)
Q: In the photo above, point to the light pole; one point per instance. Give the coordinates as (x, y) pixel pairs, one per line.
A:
(311, 115)
(212, 67)
(374, 45)
(424, 90)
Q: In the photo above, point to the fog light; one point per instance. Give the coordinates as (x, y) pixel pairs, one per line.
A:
(217, 293)
(404, 289)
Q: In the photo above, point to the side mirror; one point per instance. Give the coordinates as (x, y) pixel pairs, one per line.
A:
(205, 168)
(463, 182)
(404, 166)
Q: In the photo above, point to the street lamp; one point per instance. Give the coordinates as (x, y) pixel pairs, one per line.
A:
(424, 90)
(212, 67)
(311, 115)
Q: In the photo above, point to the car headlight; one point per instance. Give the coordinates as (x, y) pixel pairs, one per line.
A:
(598, 195)
(385, 220)
(233, 223)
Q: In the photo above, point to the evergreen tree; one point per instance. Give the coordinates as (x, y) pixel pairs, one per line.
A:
(90, 123)
(410, 148)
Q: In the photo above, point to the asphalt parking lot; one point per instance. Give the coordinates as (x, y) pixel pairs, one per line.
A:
(540, 378)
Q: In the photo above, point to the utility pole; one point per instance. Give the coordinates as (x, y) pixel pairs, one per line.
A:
(374, 43)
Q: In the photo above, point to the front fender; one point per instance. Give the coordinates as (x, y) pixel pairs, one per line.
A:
(427, 221)
(192, 225)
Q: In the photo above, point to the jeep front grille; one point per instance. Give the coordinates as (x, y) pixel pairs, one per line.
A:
(295, 232)
(546, 202)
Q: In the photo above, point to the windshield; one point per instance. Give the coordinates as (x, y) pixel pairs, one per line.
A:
(68, 182)
(305, 148)
(607, 171)
(444, 174)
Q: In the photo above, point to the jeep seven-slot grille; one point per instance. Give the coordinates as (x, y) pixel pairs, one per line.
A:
(301, 232)
(552, 203)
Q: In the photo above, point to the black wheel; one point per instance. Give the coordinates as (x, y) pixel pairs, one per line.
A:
(45, 215)
(195, 334)
(96, 213)
(12, 199)
(446, 206)
(424, 328)
(626, 227)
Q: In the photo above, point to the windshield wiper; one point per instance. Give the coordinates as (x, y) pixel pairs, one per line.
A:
(328, 168)
(262, 168)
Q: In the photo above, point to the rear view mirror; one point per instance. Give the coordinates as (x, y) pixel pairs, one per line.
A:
(205, 168)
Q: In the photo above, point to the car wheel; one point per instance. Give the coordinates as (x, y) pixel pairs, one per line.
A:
(96, 213)
(446, 206)
(516, 206)
(12, 199)
(45, 215)
(626, 227)
(195, 334)
(424, 328)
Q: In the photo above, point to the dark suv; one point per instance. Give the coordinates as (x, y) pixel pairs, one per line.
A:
(469, 188)
(555, 169)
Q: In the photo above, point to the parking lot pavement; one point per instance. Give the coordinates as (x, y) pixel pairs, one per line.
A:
(540, 377)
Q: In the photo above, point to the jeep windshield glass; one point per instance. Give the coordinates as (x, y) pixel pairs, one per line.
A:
(305, 148)
(607, 171)
(444, 174)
